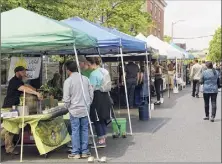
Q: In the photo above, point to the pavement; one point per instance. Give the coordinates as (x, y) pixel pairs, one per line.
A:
(175, 133)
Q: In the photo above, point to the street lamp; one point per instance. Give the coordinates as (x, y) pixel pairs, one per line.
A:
(173, 23)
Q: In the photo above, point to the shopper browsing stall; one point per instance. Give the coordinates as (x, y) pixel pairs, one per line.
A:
(101, 105)
(132, 79)
(15, 88)
(157, 72)
(78, 101)
(84, 66)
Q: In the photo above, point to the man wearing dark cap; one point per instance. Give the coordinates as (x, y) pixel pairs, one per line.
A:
(15, 88)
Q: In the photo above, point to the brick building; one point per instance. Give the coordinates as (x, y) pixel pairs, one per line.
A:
(156, 9)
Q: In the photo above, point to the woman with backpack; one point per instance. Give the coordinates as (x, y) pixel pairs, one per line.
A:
(211, 83)
(101, 105)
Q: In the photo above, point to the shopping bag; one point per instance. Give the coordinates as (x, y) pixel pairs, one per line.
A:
(201, 88)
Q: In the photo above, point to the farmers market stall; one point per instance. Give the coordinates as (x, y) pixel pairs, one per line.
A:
(36, 34)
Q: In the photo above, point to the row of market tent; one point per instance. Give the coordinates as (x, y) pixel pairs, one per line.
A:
(26, 32)
(37, 34)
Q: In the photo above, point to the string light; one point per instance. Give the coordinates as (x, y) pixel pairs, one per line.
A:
(195, 37)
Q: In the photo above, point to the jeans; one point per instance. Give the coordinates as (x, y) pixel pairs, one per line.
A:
(80, 135)
(131, 85)
(100, 128)
(213, 97)
(158, 87)
(196, 87)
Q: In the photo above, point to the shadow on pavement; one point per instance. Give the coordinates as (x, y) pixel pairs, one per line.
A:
(170, 102)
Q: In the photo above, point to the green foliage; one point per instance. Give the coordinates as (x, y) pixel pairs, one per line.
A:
(167, 38)
(215, 46)
(125, 15)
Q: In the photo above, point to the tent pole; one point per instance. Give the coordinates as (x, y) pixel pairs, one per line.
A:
(126, 93)
(84, 97)
(46, 69)
(177, 74)
(103, 65)
(148, 78)
(23, 122)
(0, 78)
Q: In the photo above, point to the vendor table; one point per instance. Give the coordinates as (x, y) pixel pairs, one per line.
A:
(49, 130)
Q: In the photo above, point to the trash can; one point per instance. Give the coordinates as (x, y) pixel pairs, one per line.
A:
(121, 130)
(144, 111)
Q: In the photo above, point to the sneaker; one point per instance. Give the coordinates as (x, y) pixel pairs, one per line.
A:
(99, 145)
(212, 119)
(74, 156)
(197, 96)
(206, 118)
(86, 155)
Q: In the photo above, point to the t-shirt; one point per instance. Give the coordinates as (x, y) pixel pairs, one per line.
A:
(13, 94)
(96, 78)
(131, 71)
(87, 72)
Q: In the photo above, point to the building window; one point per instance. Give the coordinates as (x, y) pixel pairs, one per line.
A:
(155, 12)
(151, 7)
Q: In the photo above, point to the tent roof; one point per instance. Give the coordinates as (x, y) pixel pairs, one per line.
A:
(187, 55)
(164, 48)
(129, 43)
(140, 36)
(23, 31)
(104, 37)
(109, 40)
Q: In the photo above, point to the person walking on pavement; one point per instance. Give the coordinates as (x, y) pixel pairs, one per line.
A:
(204, 67)
(132, 79)
(158, 82)
(210, 81)
(195, 75)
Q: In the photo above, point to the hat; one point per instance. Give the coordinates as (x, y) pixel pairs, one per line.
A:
(20, 68)
(82, 58)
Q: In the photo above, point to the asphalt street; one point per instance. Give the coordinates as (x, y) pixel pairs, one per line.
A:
(175, 133)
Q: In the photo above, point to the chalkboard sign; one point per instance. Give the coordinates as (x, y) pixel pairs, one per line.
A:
(33, 64)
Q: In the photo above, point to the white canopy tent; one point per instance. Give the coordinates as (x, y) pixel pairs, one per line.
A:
(164, 48)
(140, 36)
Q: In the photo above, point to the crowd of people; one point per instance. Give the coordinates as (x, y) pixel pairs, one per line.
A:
(86, 95)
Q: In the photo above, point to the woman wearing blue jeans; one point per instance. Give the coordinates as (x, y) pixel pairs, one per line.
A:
(101, 105)
(210, 81)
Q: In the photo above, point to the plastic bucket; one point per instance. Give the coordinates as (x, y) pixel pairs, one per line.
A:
(144, 112)
(122, 123)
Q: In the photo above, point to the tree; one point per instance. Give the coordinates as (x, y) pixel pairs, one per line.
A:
(167, 38)
(215, 46)
(125, 15)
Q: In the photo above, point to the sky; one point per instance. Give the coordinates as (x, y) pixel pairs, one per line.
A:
(201, 18)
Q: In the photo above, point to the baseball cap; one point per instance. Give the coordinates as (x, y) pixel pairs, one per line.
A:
(20, 68)
(82, 58)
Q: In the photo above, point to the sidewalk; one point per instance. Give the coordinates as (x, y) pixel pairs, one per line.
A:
(176, 133)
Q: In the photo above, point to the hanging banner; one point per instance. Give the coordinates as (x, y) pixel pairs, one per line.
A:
(33, 64)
